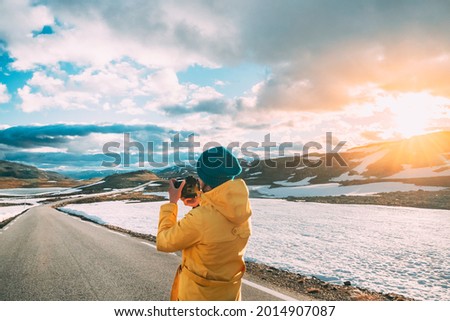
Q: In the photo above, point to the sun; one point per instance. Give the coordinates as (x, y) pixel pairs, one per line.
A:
(410, 121)
(412, 113)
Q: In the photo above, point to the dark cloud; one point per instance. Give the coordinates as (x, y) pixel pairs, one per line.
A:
(277, 32)
(57, 135)
(50, 160)
(60, 161)
(213, 106)
(17, 144)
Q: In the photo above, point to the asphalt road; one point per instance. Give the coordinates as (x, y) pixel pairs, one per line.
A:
(48, 255)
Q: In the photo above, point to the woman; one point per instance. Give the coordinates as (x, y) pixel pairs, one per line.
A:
(212, 236)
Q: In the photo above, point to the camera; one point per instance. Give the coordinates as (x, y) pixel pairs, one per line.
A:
(191, 189)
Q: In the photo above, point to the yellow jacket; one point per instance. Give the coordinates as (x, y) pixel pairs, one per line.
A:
(212, 237)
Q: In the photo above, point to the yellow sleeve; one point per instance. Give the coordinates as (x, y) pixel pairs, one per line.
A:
(174, 236)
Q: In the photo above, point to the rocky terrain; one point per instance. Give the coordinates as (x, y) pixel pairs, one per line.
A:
(315, 288)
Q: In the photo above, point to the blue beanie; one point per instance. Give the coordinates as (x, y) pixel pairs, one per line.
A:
(217, 165)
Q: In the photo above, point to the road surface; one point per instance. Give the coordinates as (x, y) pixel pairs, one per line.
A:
(48, 255)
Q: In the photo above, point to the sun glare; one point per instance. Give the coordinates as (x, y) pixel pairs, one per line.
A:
(410, 121)
(412, 112)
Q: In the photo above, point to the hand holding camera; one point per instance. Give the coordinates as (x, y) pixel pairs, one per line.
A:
(188, 190)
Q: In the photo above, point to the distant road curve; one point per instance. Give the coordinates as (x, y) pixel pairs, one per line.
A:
(48, 255)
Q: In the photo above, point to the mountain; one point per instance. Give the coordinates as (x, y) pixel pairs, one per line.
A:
(420, 156)
(417, 158)
(403, 165)
(120, 180)
(176, 171)
(14, 175)
(421, 162)
(91, 174)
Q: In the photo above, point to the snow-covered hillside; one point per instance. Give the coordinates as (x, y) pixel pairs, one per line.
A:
(421, 162)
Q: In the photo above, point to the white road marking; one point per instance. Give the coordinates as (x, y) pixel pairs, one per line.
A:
(149, 244)
(6, 228)
(117, 233)
(154, 246)
(84, 221)
(269, 291)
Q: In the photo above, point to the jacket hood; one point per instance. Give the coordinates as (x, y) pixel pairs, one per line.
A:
(231, 200)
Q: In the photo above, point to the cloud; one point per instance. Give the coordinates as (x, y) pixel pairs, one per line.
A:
(4, 95)
(120, 86)
(352, 73)
(318, 52)
(57, 159)
(213, 106)
(89, 88)
(220, 83)
(128, 106)
(156, 34)
(59, 135)
(82, 145)
(372, 135)
(326, 64)
(323, 51)
(19, 19)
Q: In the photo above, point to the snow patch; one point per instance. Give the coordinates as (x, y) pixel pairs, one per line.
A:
(138, 217)
(303, 182)
(30, 191)
(164, 194)
(347, 177)
(11, 211)
(154, 184)
(93, 184)
(335, 189)
(409, 172)
(67, 191)
(366, 161)
(78, 213)
(23, 204)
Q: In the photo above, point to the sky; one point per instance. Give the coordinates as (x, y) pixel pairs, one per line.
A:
(76, 75)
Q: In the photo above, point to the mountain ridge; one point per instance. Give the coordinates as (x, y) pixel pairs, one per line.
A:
(18, 175)
(426, 156)
(420, 160)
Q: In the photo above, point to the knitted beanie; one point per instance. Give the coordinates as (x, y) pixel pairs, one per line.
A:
(217, 165)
